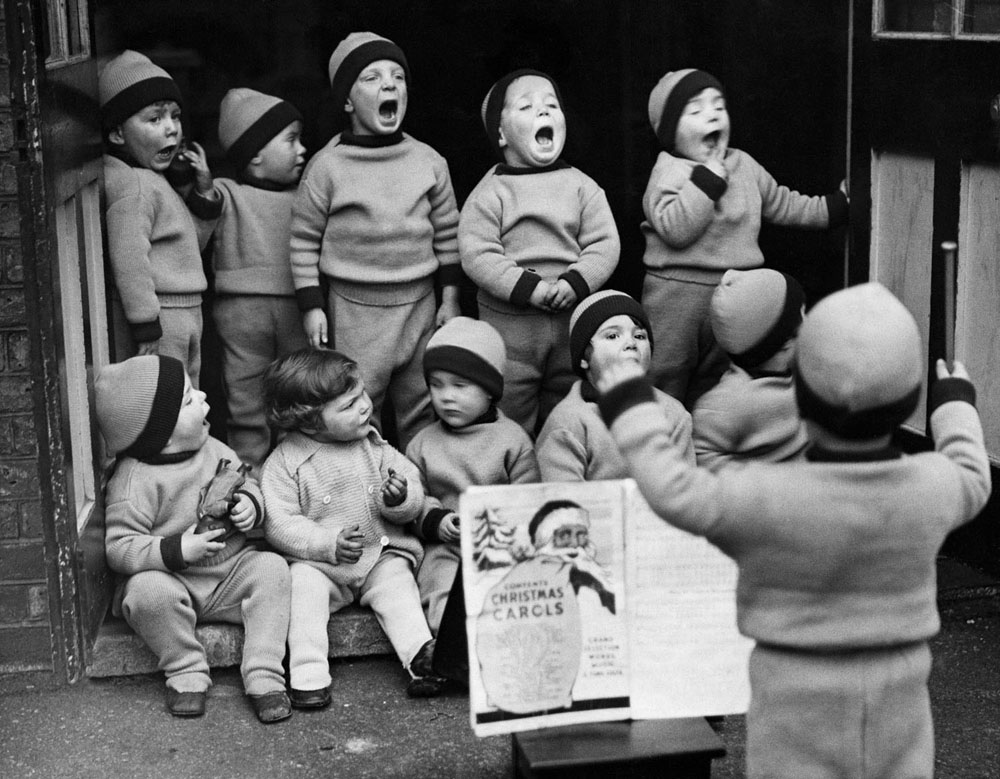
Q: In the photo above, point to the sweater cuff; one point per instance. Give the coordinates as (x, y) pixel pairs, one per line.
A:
(836, 204)
(951, 388)
(170, 551)
(450, 275)
(577, 282)
(432, 522)
(712, 185)
(521, 294)
(256, 506)
(146, 332)
(204, 207)
(623, 397)
(309, 298)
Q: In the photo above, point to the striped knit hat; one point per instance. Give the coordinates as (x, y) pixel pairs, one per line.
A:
(470, 348)
(354, 54)
(592, 312)
(137, 402)
(248, 120)
(668, 98)
(754, 313)
(859, 363)
(129, 83)
(492, 105)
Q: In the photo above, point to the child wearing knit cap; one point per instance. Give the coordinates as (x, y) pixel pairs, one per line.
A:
(255, 311)
(836, 553)
(340, 504)
(471, 443)
(703, 208)
(574, 444)
(173, 574)
(375, 216)
(537, 236)
(154, 246)
(751, 413)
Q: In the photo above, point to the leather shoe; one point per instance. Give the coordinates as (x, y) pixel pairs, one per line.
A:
(310, 699)
(271, 706)
(185, 704)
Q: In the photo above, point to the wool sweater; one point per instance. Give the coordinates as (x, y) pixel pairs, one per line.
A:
(373, 212)
(697, 221)
(452, 459)
(313, 490)
(154, 245)
(250, 240)
(149, 507)
(520, 226)
(575, 445)
(833, 554)
(746, 417)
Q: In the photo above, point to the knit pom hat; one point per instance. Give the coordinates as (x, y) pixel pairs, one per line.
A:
(354, 54)
(137, 402)
(493, 103)
(859, 363)
(668, 98)
(754, 313)
(470, 348)
(592, 312)
(129, 83)
(248, 120)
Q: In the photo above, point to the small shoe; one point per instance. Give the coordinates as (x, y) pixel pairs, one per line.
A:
(185, 704)
(310, 699)
(426, 686)
(271, 706)
(422, 663)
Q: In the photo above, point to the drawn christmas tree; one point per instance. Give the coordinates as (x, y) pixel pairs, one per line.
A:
(492, 542)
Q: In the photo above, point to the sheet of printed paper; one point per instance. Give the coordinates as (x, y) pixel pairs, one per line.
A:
(543, 572)
(687, 657)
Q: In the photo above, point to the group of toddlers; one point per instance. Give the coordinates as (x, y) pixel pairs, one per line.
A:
(337, 287)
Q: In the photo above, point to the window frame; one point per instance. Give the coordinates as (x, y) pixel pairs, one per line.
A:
(954, 34)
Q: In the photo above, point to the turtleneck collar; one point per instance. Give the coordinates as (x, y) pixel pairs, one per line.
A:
(504, 169)
(371, 141)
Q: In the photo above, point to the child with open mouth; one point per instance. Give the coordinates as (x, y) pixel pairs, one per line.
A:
(537, 236)
(703, 206)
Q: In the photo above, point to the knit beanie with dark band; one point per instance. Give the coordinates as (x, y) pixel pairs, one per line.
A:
(352, 55)
(137, 403)
(129, 83)
(592, 312)
(470, 348)
(248, 120)
(493, 103)
(668, 98)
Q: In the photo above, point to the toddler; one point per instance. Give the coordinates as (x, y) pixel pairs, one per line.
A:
(375, 216)
(255, 311)
(537, 236)
(574, 444)
(339, 500)
(836, 554)
(154, 246)
(703, 208)
(472, 443)
(751, 413)
(175, 576)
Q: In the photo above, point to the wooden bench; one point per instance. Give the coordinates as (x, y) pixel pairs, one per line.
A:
(640, 749)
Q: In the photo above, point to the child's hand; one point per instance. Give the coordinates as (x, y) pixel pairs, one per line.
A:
(196, 157)
(198, 546)
(243, 513)
(148, 347)
(449, 308)
(540, 295)
(448, 529)
(314, 323)
(350, 543)
(609, 372)
(958, 370)
(563, 296)
(394, 489)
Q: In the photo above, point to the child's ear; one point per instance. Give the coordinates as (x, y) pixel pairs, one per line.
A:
(501, 140)
(348, 106)
(584, 365)
(255, 161)
(116, 136)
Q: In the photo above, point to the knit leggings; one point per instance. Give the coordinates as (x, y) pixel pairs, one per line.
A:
(164, 607)
(435, 578)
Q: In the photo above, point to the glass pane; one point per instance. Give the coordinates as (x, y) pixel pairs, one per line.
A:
(981, 17)
(918, 16)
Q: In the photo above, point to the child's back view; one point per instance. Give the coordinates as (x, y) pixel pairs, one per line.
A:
(751, 413)
(376, 217)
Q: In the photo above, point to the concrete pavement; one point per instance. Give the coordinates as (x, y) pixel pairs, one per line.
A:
(118, 726)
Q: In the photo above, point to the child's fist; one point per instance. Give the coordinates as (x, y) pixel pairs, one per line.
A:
(243, 513)
(314, 323)
(394, 489)
(448, 531)
(198, 546)
(617, 369)
(540, 295)
(563, 296)
(350, 543)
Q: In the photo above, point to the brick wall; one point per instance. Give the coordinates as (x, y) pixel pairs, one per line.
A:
(25, 634)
